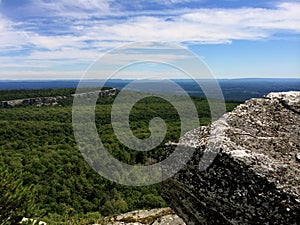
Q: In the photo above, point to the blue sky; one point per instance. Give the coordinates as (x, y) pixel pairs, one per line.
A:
(47, 39)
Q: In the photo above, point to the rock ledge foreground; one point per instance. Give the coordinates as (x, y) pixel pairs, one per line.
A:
(255, 177)
(163, 216)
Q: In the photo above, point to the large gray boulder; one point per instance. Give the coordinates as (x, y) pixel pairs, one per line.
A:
(255, 176)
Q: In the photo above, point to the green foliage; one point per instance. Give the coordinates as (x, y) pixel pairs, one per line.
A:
(40, 142)
(6, 95)
(152, 201)
(71, 218)
(16, 200)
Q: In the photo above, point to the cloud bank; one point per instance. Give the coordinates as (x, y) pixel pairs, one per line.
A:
(77, 32)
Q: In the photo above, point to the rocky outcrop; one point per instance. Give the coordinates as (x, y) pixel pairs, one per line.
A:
(164, 216)
(255, 175)
(38, 101)
(103, 93)
(54, 101)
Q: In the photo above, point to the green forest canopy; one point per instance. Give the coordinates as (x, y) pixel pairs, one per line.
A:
(39, 142)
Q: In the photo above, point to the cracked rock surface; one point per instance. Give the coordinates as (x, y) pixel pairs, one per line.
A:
(252, 174)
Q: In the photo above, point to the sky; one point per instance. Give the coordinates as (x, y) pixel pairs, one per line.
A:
(61, 39)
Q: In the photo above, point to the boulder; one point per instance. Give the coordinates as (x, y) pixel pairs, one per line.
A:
(163, 216)
(245, 169)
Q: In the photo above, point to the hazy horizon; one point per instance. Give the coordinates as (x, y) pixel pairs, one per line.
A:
(243, 78)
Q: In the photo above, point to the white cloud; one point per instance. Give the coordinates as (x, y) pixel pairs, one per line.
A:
(170, 2)
(202, 25)
(209, 25)
(10, 38)
(285, 17)
(88, 38)
(37, 75)
(74, 8)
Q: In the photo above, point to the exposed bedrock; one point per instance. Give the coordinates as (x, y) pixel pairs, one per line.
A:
(255, 177)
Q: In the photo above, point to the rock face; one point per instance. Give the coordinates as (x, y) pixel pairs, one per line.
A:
(38, 101)
(255, 176)
(104, 93)
(164, 216)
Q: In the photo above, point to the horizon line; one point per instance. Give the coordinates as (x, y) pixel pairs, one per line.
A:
(66, 79)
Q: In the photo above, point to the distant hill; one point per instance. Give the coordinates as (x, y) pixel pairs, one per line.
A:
(233, 89)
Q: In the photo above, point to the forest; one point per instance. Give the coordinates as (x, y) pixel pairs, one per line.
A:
(39, 155)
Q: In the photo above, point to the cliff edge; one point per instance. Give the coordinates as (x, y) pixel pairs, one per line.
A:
(255, 176)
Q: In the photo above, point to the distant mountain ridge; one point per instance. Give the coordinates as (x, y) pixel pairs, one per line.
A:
(233, 89)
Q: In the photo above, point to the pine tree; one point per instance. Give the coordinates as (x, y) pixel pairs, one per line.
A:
(16, 200)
